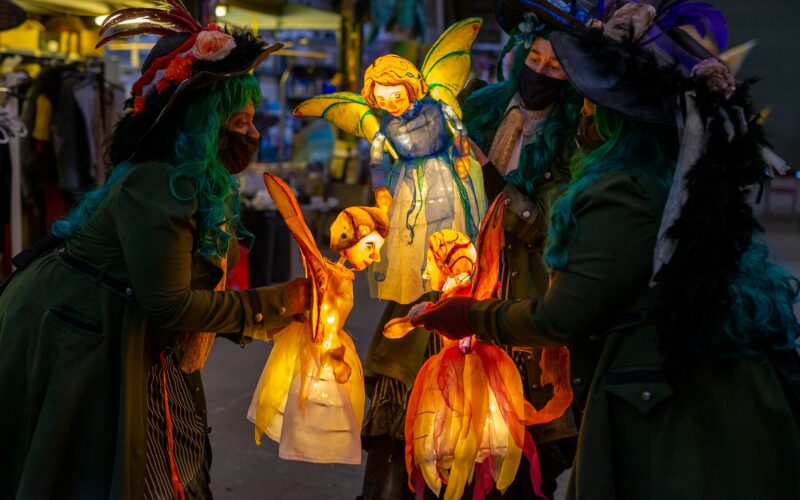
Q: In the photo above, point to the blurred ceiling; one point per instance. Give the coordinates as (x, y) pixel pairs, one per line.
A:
(78, 7)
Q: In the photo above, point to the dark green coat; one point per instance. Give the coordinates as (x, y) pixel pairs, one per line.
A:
(74, 354)
(730, 433)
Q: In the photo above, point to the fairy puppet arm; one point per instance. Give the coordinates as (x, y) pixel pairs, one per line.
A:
(460, 140)
(383, 198)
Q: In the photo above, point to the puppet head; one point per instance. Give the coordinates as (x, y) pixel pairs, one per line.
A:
(451, 259)
(392, 83)
(358, 234)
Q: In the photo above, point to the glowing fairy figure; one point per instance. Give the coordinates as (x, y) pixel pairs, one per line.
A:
(310, 397)
(467, 414)
(432, 184)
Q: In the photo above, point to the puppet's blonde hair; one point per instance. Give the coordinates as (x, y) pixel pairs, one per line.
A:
(391, 70)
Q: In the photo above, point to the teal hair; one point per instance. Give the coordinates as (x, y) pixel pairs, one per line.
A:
(638, 148)
(88, 203)
(195, 135)
(760, 312)
(485, 109)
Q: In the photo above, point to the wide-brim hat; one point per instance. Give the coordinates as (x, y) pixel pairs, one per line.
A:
(638, 77)
(557, 14)
(629, 82)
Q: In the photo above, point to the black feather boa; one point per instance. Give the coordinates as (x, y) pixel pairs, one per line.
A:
(714, 229)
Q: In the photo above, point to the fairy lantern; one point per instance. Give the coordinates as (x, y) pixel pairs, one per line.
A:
(310, 397)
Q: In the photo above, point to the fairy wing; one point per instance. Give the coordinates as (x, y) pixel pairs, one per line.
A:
(447, 64)
(313, 261)
(346, 110)
(490, 243)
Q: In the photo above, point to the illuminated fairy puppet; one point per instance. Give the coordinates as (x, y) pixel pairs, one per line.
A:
(432, 184)
(467, 414)
(310, 397)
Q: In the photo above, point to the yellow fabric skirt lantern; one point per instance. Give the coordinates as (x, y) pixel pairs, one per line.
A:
(310, 397)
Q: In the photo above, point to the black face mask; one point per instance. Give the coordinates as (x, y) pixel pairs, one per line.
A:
(236, 150)
(538, 91)
(587, 137)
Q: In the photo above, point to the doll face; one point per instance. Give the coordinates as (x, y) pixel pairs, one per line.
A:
(392, 99)
(543, 60)
(365, 252)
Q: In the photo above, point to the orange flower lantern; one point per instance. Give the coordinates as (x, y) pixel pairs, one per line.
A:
(467, 413)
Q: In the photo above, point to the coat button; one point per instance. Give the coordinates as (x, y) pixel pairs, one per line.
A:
(196, 390)
(258, 317)
(507, 202)
(548, 175)
(282, 311)
(577, 381)
(129, 292)
(514, 274)
(647, 396)
(526, 214)
(508, 247)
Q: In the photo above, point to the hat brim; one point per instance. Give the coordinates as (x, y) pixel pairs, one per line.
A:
(203, 79)
(510, 13)
(594, 79)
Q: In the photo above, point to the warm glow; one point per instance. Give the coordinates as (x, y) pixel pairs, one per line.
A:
(221, 10)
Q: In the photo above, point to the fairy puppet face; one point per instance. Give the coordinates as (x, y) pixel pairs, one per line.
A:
(358, 234)
(393, 84)
(365, 252)
(393, 99)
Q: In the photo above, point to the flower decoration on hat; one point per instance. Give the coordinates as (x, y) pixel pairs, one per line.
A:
(529, 30)
(185, 50)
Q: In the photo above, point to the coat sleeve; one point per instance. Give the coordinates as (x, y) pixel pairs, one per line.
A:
(609, 264)
(156, 232)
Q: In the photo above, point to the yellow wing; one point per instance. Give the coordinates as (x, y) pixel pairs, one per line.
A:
(346, 110)
(313, 261)
(447, 64)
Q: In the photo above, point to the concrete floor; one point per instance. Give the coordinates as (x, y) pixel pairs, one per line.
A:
(242, 470)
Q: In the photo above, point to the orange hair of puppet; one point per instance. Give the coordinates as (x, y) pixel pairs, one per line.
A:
(391, 70)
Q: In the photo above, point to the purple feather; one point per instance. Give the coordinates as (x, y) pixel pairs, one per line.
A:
(702, 16)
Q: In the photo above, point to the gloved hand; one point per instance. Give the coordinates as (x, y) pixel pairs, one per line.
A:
(298, 291)
(448, 317)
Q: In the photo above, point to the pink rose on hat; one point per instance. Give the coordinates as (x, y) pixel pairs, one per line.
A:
(213, 45)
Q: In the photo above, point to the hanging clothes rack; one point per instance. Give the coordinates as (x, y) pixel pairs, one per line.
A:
(14, 107)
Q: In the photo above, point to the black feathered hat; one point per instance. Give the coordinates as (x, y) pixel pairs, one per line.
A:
(187, 57)
(641, 64)
(640, 59)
